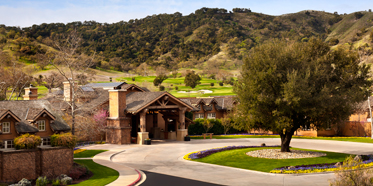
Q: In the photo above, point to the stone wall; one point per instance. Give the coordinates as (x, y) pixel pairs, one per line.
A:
(30, 164)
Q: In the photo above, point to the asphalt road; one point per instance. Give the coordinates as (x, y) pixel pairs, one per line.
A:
(163, 163)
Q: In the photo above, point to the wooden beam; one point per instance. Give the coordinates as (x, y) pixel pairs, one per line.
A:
(164, 107)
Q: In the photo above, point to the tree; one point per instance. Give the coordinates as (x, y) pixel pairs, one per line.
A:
(288, 85)
(174, 74)
(227, 124)
(100, 120)
(54, 80)
(70, 63)
(192, 79)
(159, 79)
(207, 124)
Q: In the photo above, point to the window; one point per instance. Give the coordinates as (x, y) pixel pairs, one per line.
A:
(306, 127)
(46, 141)
(6, 127)
(41, 125)
(211, 115)
(8, 144)
(328, 126)
(199, 116)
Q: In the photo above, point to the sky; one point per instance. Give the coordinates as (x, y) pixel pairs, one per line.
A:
(25, 13)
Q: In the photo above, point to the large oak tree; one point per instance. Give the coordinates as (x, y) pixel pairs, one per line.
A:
(287, 85)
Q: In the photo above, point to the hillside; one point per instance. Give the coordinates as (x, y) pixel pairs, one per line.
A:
(209, 37)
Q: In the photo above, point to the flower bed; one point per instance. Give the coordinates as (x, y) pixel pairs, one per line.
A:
(78, 151)
(320, 167)
(204, 153)
(276, 135)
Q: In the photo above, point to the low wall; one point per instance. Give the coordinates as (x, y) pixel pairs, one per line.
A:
(30, 164)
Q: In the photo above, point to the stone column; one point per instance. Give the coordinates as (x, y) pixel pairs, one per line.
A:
(118, 125)
(142, 135)
(182, 132)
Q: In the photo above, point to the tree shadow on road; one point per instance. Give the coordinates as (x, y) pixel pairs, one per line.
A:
(156, 179)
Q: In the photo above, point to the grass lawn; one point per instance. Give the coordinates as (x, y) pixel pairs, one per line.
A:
(88, 153)
(101, 175)
(238, 158)
(350, 139)
(171, 83)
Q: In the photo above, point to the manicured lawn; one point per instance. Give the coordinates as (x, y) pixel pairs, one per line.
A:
(88, 153)
(238, 158)
(350, 139)
(171, 83)
(101, 175)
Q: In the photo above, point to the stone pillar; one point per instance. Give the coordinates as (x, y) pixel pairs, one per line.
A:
(118, 125)
(142, 135)
(143, 120)
(31, 93)
(182, 132)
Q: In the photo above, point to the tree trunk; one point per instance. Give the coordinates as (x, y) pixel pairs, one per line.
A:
(285, 140)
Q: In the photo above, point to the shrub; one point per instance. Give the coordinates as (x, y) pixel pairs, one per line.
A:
(218, 128)
(212, 84)
(42, 181)
(176, 88)
(333, 41)
(27, 141)
(358, 15)
(78, 171)
(161, 88)
(56, 182)
(133, 79)
(66, 181)
(359, 176)
(221, 83)
(64, 140)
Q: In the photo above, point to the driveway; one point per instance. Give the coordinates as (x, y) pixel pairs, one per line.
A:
(163, 162)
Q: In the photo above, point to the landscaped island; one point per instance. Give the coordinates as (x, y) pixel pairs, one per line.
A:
(236, 156)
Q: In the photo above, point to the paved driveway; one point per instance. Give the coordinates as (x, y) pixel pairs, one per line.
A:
(164, 159)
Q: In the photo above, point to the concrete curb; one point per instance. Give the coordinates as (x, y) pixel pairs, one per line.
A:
(127, 175)
(252, 171)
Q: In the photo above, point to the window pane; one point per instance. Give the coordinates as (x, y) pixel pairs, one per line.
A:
(6, 127)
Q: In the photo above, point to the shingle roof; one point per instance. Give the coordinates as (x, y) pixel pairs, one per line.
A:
(136, 100)
(26, 109)
(222, 102)
(105, 85)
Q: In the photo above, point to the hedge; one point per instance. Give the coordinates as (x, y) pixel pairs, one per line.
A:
(197, 127)
(64, 140)
(27, 141)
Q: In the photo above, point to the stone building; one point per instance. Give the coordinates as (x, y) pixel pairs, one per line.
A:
(211, 107)
(135, 113)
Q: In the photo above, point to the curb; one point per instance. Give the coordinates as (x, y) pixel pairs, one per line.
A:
(138, 172)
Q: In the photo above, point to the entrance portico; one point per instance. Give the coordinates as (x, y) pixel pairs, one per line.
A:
(142, 115)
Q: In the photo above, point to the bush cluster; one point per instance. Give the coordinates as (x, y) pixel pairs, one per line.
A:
(27, 141)
(78, 171)
(197, 127)
(64, 140)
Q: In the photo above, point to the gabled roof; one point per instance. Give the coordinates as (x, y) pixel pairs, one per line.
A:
(220, 102)
(35, 113)
(26, 109)
(136, 101)
(4, 113)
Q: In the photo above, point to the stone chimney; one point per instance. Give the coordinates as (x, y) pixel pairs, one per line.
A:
(117, 103)
(67, 90)
(119, 127)
(31, 93)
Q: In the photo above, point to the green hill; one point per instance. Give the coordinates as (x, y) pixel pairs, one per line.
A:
(176, 41)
